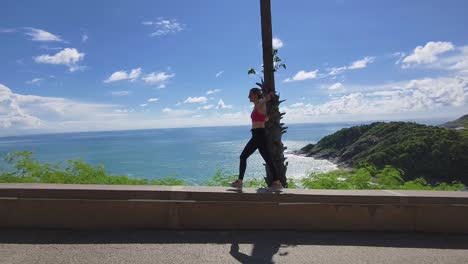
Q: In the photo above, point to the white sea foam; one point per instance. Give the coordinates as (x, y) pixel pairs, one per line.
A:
(298, 166)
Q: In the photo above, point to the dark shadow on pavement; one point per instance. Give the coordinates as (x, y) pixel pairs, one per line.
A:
(259, 190)
(261, 253)
(237, 190)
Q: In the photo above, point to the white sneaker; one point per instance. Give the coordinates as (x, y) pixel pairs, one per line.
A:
(236, 184)
(276, 186)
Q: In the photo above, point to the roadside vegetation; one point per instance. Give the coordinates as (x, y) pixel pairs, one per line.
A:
(22, 167)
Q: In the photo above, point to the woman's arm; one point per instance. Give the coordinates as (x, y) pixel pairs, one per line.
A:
(268, 96)
(262, 107)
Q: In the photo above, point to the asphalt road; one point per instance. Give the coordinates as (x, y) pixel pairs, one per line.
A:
(153, 246)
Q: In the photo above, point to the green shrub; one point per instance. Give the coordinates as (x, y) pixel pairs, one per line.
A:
(389, 177)
(220, 179)
(368, 178)
(27, 170)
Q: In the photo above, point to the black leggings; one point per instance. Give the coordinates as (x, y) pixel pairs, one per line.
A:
(258, 141)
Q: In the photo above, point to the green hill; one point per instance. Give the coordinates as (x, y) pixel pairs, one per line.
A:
(433, 153)
(456, 124)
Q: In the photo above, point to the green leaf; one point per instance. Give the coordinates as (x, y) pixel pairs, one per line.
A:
(251, 71)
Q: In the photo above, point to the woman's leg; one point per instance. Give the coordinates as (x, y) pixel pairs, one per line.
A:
(263, 149)
(248, 150)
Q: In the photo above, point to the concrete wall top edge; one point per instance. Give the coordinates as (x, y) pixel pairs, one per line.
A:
(203, 193)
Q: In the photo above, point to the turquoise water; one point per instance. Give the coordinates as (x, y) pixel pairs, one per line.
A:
(192, 154)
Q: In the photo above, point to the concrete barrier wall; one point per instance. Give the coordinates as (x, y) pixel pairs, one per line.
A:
(162, 207)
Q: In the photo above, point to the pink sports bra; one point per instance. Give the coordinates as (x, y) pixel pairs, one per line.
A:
(257, 116)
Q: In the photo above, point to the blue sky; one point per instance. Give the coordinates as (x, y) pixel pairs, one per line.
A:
(111, 65)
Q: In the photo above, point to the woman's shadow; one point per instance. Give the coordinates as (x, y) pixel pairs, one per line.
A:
(262, 252)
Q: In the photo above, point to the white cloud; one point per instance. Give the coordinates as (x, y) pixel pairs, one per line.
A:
(219, 73)
(143, 105)
(197, 100)
(385, 93)
(178, 113)
(157, 78)
(117, 76)
(35, 81)
(337, 70)
(428, 97)
(213, 91)
(302, 75)
(11, 112)
(400, 56)
(206, 107)
(152, 100)
(440, 91)
(53, 107)
(297, 105)
(277, 43)
(428, 53)
(164, 26)
(30, 114)
(123, 75)
(84, 37)
(121, 93)
(457, 61)
(68, 57)
(434, 55)
(337, 87)
(420, 97)
(222, 105)
(461, 66)
(33, 113)
(42, 35)
(135, 73)
(359, 64)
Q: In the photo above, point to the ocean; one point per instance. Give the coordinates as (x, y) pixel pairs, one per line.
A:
(191, 154)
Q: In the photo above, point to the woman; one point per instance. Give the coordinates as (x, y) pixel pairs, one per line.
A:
(258, 140)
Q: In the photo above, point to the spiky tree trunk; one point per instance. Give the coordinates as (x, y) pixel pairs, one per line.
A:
(274, 128)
